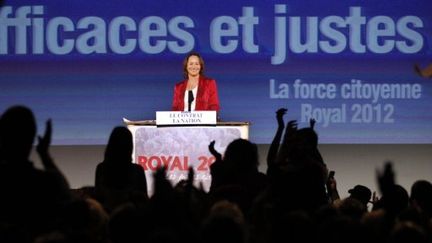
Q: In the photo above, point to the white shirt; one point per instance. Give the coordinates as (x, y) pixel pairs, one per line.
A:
(186, 99)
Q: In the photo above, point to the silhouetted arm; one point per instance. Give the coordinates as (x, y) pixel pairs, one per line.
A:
(216, 169)
(289, 131)
(331, 184)
(286, 145)
(386, 183)
(274, 147)
(43, 150)
(386, 178)
(162, 187)
(213, 151)
(391, 200)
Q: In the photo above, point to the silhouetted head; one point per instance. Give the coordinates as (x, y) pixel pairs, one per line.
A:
(304, 146)
(421, 189)
(395, 199)
(353, 208)
(361, 193)
(307, 138)
(421, 195)
(218, 229)
(242, 153)
(17, 133)
(120, 146)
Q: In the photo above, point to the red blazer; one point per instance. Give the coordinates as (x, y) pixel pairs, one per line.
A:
(207, 95)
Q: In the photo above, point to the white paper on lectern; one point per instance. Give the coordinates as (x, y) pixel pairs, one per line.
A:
(174, 118)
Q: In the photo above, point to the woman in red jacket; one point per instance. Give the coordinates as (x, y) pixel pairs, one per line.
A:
(195, 92)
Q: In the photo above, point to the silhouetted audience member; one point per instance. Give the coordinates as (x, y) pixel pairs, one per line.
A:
(236, 176)
(118, 180)
(390, 209)
(31, 198)
(394, 201)
(361, 193)
(297, 176)
(299, 171)
(352, 208)
(171, 216)
(224, 217)
(421, 197)
(85, 221)
(128, 224)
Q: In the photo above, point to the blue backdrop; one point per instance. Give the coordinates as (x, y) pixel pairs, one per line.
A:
(87, 64)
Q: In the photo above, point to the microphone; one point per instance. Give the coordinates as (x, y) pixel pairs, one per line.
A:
(190, 99)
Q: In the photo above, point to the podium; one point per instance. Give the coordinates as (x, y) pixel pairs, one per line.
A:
(180, 147)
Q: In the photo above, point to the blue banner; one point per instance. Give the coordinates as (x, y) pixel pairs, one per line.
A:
(362, 69)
